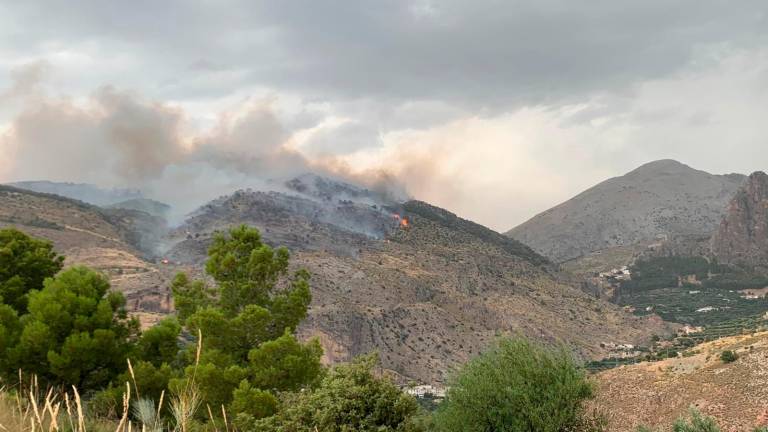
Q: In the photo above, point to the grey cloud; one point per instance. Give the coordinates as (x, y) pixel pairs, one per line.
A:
(482, 53)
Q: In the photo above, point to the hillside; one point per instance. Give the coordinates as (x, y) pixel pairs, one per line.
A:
(655, 394)
(108, 240)
(422, 286)
(662, 198)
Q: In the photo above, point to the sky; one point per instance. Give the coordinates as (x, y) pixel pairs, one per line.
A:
(495, 110)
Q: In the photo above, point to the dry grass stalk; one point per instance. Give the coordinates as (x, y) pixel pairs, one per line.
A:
(210, 416)
(224, 414)
(126, 406)
(80, 416)
(185, 404)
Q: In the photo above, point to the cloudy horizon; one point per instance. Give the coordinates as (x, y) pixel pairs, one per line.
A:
(493, 110)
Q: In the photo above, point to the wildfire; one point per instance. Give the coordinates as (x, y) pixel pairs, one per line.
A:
(401, 220)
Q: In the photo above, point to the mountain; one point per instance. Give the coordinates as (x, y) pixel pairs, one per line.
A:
(422, 286)
(661, 198)
(112, 241)
(81, 191)
(742, 237)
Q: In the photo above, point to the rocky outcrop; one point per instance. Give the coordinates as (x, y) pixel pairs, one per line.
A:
(661, 199)
(742, 238)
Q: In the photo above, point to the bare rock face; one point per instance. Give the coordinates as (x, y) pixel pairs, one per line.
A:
(663, 198)
(742, 238)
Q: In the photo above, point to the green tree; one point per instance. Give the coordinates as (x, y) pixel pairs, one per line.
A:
(516, 386)
(349, 398)
(247, 319)
(159, 344)
(76, 332)
(25, 262)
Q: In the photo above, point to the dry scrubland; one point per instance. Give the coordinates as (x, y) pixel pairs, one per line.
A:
(657, 393)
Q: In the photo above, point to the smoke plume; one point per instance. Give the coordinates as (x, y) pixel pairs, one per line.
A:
(119, 139)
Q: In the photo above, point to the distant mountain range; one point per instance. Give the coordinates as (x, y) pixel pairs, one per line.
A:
(88, 193)
(663, 198)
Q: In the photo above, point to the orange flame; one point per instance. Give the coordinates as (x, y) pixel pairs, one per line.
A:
(401, 220)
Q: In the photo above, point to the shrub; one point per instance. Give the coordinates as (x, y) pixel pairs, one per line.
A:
(728, 356)
(515, 386)
(697, 423)
(349, 398)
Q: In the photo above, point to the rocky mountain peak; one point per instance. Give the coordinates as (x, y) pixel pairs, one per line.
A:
(663, 197)
(661, 166)
(742, 237)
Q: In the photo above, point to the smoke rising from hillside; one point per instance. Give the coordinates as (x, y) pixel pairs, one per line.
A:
(118, 139)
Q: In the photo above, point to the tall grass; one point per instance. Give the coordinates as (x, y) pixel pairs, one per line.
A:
(27, 408)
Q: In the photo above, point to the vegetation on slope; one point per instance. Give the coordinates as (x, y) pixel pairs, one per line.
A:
(518, 386)
(450, 220)
(229, 360)
(692, 290)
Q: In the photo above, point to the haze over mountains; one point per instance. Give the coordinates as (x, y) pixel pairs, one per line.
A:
(659, 198)
(428, 289)
(424, 287)
(421, 285)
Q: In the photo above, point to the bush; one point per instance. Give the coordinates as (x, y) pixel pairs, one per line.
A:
(516, 386)
(349, 398)
(697, 423)
(728, 356)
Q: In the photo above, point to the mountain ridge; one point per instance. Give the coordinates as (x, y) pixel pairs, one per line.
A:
(663, 197)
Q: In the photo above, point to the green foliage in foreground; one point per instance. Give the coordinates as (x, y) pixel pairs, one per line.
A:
(25, 263)
(349, 398)
(74, 332)
(516, 386)
(248, 319)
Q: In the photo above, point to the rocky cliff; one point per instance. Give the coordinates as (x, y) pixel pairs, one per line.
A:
(742, 237)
